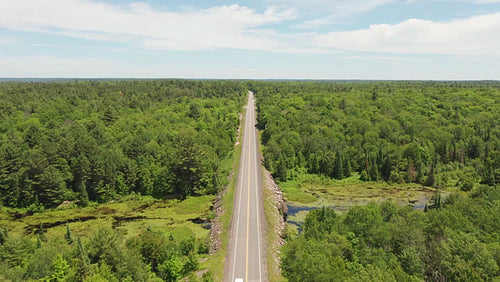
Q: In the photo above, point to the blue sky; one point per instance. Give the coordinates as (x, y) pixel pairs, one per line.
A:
(278, 39)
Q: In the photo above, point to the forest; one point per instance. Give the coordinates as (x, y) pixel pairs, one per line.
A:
(444, 135)
(456, 239)
(92, 141)
(439, 134)
(111, 180)
(140, 162)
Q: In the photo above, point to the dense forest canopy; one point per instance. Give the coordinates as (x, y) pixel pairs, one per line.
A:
(440, 134)
(458, 239)
(96, 140)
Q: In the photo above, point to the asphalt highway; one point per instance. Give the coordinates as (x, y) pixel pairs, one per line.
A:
(245, 259)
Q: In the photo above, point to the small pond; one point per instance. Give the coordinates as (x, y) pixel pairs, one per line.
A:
(296, 213)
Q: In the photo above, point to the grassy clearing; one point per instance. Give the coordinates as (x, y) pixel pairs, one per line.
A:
(293, 193)
(313, 191)
(128, 218)
(351, 191)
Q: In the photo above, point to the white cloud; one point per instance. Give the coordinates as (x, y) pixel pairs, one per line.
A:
(476, 35)
(238, 27)
(334, 11)
(218, 27)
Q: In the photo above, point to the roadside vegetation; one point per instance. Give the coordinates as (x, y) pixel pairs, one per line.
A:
(396, 181)
(129, 169)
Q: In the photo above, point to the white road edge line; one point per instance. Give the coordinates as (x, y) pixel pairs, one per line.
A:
(239, 204)
(257, 194)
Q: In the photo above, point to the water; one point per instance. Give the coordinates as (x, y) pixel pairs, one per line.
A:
(293, 210)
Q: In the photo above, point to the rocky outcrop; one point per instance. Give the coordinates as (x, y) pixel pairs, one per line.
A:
(278, 215)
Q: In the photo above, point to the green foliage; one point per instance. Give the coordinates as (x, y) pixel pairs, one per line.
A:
(456, 242)
(204, 245)
(41, 232)
(68, 235)
(154, 248)
(2, 237)
(441, 134)
(16, 251)
(82, 261)
(171, 269)
(38, 241)
(95, 141)
(60, 266)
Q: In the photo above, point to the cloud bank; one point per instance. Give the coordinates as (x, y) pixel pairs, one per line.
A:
(239, 27)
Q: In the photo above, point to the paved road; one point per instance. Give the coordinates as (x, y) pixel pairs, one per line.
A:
(245, 259)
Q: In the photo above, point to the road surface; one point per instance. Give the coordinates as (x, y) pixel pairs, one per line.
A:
(245, 260)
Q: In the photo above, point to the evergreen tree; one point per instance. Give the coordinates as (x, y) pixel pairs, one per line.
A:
(347, 167)
(385, 170)
(67, 236)
(83, 262)
(338, 168)
(431, 180)
(373, 173)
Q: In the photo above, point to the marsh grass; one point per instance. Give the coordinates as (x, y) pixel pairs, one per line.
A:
(317, 191)
(314, 191)
(128, 217)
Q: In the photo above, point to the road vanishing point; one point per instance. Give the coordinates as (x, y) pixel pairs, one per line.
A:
(245, 260)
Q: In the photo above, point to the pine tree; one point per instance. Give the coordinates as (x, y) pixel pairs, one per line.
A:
(338, 169)
(84, 196)
(347, 167)
(373, 168)
(431, 180)
(67, 236)
(386, 169)
(83, 263)
(38, 241)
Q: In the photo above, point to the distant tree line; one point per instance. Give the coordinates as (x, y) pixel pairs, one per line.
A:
(437, 134)
(96, 140)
